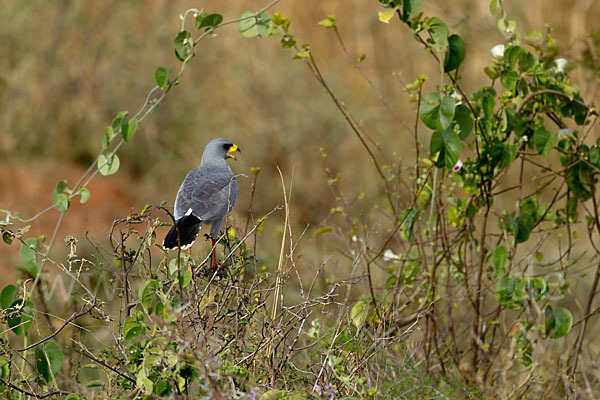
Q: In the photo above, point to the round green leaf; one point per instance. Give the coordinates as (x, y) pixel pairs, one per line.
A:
(509, 79)
(526, 60)
(162, 387)
(358, 313)
(4, 368)
(447, 110)
(181, 42)
(84, 193)
(108, 166)
(128, 128)
(563, 319)
(251, 26)
(447, 144)
(464, 119)
(437, 114)
(410, 8)
(209, 20)
(511, 55)
(132, 328)
(161, 76)
(61, 201)
(499, 257)
(544, 140)
(29, 257)
(438, 31)
(7, 237)
(147, 294)
(8, 296)
(49, 359)
(594, 157)
(455, 53)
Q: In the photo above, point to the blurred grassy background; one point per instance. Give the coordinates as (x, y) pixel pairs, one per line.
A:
(67, 67)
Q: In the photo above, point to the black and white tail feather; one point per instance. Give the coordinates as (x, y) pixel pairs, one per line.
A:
(189, 227)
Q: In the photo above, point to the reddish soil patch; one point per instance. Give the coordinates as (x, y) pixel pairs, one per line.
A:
(27, 188)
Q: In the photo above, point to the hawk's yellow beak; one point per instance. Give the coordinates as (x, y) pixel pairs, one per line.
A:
(233, 149)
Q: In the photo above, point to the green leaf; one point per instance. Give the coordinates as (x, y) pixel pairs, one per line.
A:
(447, 110)
(162, 387)
(5, 364)
(410, 8)
(252, 26)
(60, 199)
(181, 44)
(409, 217)
(186, 277)
(509, 79)
(147, 294)
(487, 104)
(464, 119)
(499, 257)
(303, 53)
(7, 237)
(328, 22)
(438, 31)
(358, 313)
(209, 20)
(524, 226)
(161, 76)
(132, 328)
(544, 140)
(128, 128)
(143, 382)
(494, 7)
(437, 114)
(8, 296)
(29, 257)
(455, 53)
(84, 193)
(49, 359)
(447, 144)
(116, 123)
(563, 319)
(508, 119)
(20, 317)
(72, 396)
(288, 41)
(386, 16)
(510, 292)
(549, 323)
(125, 129)
(108, 166)
(594, 157)
(109, 133)
(534, 35)
(511, 55)
(526, 61)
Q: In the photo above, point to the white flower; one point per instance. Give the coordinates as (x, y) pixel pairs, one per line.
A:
(564, 133)
(354, 238)
(560, 64)
(458, 166)
(389, 255)
(457, 98)
(498, 51)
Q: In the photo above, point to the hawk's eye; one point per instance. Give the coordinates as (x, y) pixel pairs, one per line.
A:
(227, 146)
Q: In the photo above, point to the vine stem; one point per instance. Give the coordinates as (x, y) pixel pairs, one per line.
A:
(588, 306)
